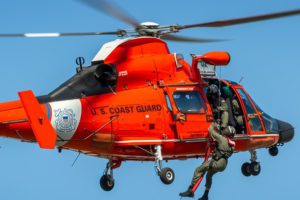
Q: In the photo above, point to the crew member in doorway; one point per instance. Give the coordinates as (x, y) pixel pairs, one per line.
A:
(236, 110)
(223, 113)
(212, 94)
(223, 149)
(218, 105)
(237, 113)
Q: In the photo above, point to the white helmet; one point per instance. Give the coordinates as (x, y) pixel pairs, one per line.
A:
(229, 131)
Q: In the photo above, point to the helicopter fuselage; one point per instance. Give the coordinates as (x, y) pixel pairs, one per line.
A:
(147, 97)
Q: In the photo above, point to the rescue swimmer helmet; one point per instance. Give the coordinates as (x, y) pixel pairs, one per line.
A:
(229, 131)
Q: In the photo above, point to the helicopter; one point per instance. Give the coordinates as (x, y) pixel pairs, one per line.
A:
(118, 110)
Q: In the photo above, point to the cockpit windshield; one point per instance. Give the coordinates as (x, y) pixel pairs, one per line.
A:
(271, 124)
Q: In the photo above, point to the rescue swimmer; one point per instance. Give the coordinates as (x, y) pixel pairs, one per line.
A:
(223, 149)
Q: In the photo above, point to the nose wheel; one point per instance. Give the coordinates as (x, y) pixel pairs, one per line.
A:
(273, 151)
(253, 168)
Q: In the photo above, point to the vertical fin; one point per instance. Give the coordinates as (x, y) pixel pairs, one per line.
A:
(41, 126)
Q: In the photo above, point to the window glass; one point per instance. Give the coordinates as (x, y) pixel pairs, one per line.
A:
(254, 120)
(247, 103)
(271, 124)
(168, 102)
(189, 102)
(255, 124)
(232, 82)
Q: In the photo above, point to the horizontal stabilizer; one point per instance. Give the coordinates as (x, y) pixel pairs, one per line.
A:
(41, 126)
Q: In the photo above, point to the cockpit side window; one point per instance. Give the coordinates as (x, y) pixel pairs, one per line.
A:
(168, 102)
(271, 124)
(249, 108)
(254, 120)
(189, 102)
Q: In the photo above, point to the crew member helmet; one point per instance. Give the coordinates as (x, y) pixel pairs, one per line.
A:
(213, 89)
(226, 91)
(229, 131)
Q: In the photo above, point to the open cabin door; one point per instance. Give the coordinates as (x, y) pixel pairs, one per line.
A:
(189, 110)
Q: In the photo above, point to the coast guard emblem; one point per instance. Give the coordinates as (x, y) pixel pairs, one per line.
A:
(65, 120)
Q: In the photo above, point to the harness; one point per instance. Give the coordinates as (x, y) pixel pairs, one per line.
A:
(218, 153)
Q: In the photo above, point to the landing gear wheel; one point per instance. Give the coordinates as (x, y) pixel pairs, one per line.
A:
(167, 175)
(273, 151)
(107, 182)
(255, 168)
(246, 169)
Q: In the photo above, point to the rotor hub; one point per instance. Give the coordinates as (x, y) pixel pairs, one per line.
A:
(149, 24)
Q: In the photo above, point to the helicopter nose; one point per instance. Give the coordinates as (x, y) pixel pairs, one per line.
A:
(286, 131)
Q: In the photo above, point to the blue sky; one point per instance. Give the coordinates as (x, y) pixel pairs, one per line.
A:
(266, 54)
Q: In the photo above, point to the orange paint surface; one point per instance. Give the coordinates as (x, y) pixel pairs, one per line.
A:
(138, 114)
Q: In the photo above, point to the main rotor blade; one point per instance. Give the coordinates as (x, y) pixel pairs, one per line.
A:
(189, 39)
(243, 20)
(111, 9)
(60, 34)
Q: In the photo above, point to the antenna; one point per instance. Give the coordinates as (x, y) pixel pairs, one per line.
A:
(79, 61)
(76, 158)
(241, 79)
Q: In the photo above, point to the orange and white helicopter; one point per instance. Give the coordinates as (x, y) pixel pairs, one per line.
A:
(138, 101)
